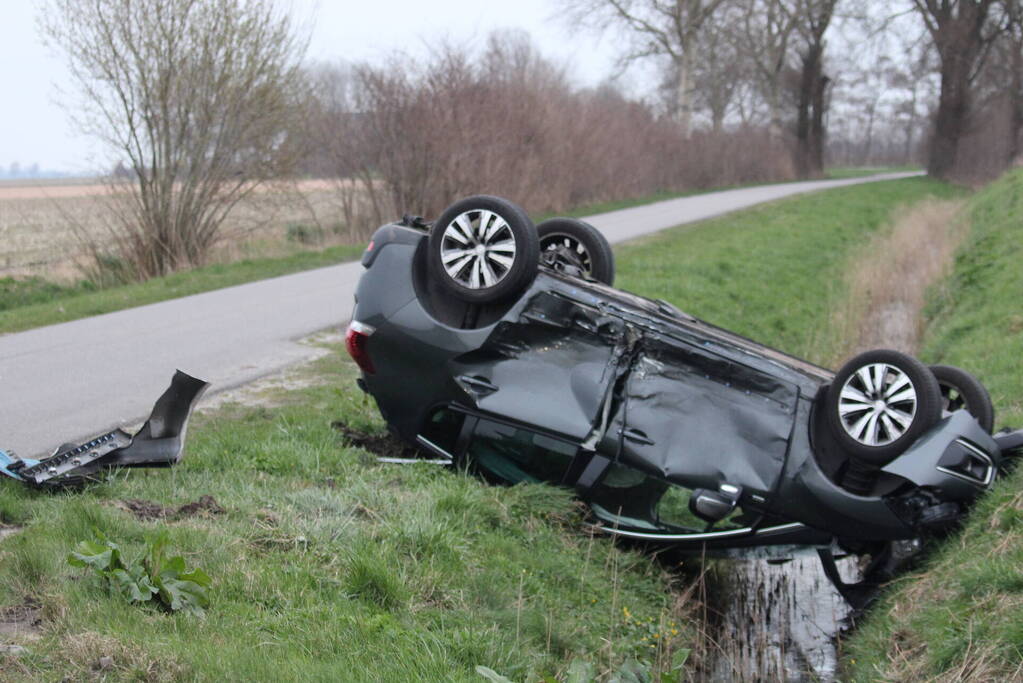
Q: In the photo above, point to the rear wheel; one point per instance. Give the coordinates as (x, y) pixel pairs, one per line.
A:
(879, 404)
(962, 391)
(575, 246)
(483, 249)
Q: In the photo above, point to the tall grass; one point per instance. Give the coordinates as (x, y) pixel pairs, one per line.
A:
(775, 273)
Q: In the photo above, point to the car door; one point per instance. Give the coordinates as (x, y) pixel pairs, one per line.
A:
(695, 417)
(550, 368)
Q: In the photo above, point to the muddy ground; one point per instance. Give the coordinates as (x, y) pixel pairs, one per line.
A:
(21, 622)
(148, 510)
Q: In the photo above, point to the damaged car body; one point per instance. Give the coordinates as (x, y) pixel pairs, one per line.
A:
(672, 430)
(158, 443)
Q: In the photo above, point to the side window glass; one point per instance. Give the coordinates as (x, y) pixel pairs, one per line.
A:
(631, 499)
(442, 429)
(515, 455)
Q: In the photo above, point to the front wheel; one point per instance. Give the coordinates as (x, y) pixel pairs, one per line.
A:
(880, 403)
(483, 250)
(575, 246)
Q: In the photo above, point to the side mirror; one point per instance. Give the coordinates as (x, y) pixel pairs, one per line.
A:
(713, 506)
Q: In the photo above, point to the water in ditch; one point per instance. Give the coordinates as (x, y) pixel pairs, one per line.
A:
(778, 621)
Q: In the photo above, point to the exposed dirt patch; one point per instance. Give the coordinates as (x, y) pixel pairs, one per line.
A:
(383, 445)
(148, 510)
(21, 622)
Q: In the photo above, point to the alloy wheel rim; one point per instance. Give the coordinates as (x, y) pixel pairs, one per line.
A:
(560, 244)
(951, 398)
(478, 249)
(877, 404)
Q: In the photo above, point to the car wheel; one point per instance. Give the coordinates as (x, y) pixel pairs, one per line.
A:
(483, 249)
(569, 244)
(961, 390)
(879, 403)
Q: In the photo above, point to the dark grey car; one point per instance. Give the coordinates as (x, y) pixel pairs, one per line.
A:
(671, 429)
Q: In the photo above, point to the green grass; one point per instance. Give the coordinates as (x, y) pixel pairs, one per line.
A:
(840, 173)
(35, 302)
(327, 566)
(961, 616)
(773, 273)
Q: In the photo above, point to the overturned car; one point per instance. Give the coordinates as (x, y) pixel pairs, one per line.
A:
(493, 343)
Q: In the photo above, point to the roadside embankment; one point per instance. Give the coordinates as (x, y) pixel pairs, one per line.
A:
(326, 564)
(960, 617)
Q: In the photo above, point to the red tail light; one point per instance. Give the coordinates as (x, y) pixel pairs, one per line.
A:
(355, 341)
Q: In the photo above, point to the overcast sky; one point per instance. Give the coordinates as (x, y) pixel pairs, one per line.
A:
(34, 125)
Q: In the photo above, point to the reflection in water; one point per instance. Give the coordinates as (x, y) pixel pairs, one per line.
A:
(779, 622)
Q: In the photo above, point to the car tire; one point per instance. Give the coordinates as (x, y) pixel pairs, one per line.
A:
(483, 250)
(571, 243)
(879, 403)
(961, 390)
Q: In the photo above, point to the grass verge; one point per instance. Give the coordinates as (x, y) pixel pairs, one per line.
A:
(36, 302)
(839, 173)
(775, 272)
(328, 566)
(961, 616)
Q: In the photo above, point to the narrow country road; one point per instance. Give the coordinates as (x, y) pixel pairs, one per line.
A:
(69, 381)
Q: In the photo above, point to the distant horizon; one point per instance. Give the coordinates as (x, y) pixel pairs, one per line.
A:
(35, 172)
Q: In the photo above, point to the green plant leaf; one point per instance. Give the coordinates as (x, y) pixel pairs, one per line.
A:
(632, 672)
(167, 580)
(180, 590)
(492, 675)
(136, 588)
(580, 671)
(91, 554)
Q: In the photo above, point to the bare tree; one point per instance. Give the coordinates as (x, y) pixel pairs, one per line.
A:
(722, 70)
(768, 26)
(660, 28)
(1009, 68)
(200, 97)
(962, 33)
(811, 18)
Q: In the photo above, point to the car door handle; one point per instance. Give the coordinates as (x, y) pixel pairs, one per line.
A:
(477, 383)
(638, 436)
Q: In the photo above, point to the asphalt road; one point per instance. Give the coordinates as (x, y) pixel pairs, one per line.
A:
(73, 380)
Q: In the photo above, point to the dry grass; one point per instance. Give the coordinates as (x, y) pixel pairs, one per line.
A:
(888, 279)
(45, 227)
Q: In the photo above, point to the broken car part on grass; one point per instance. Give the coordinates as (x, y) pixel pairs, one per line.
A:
(158, 443)
(484, 344)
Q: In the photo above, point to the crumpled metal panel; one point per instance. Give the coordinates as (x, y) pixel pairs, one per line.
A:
(550, 367)
(710, 420)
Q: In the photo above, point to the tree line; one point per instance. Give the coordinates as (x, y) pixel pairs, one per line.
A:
(203, 101)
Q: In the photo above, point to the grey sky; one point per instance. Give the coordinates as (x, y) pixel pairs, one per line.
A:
(34, 126)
